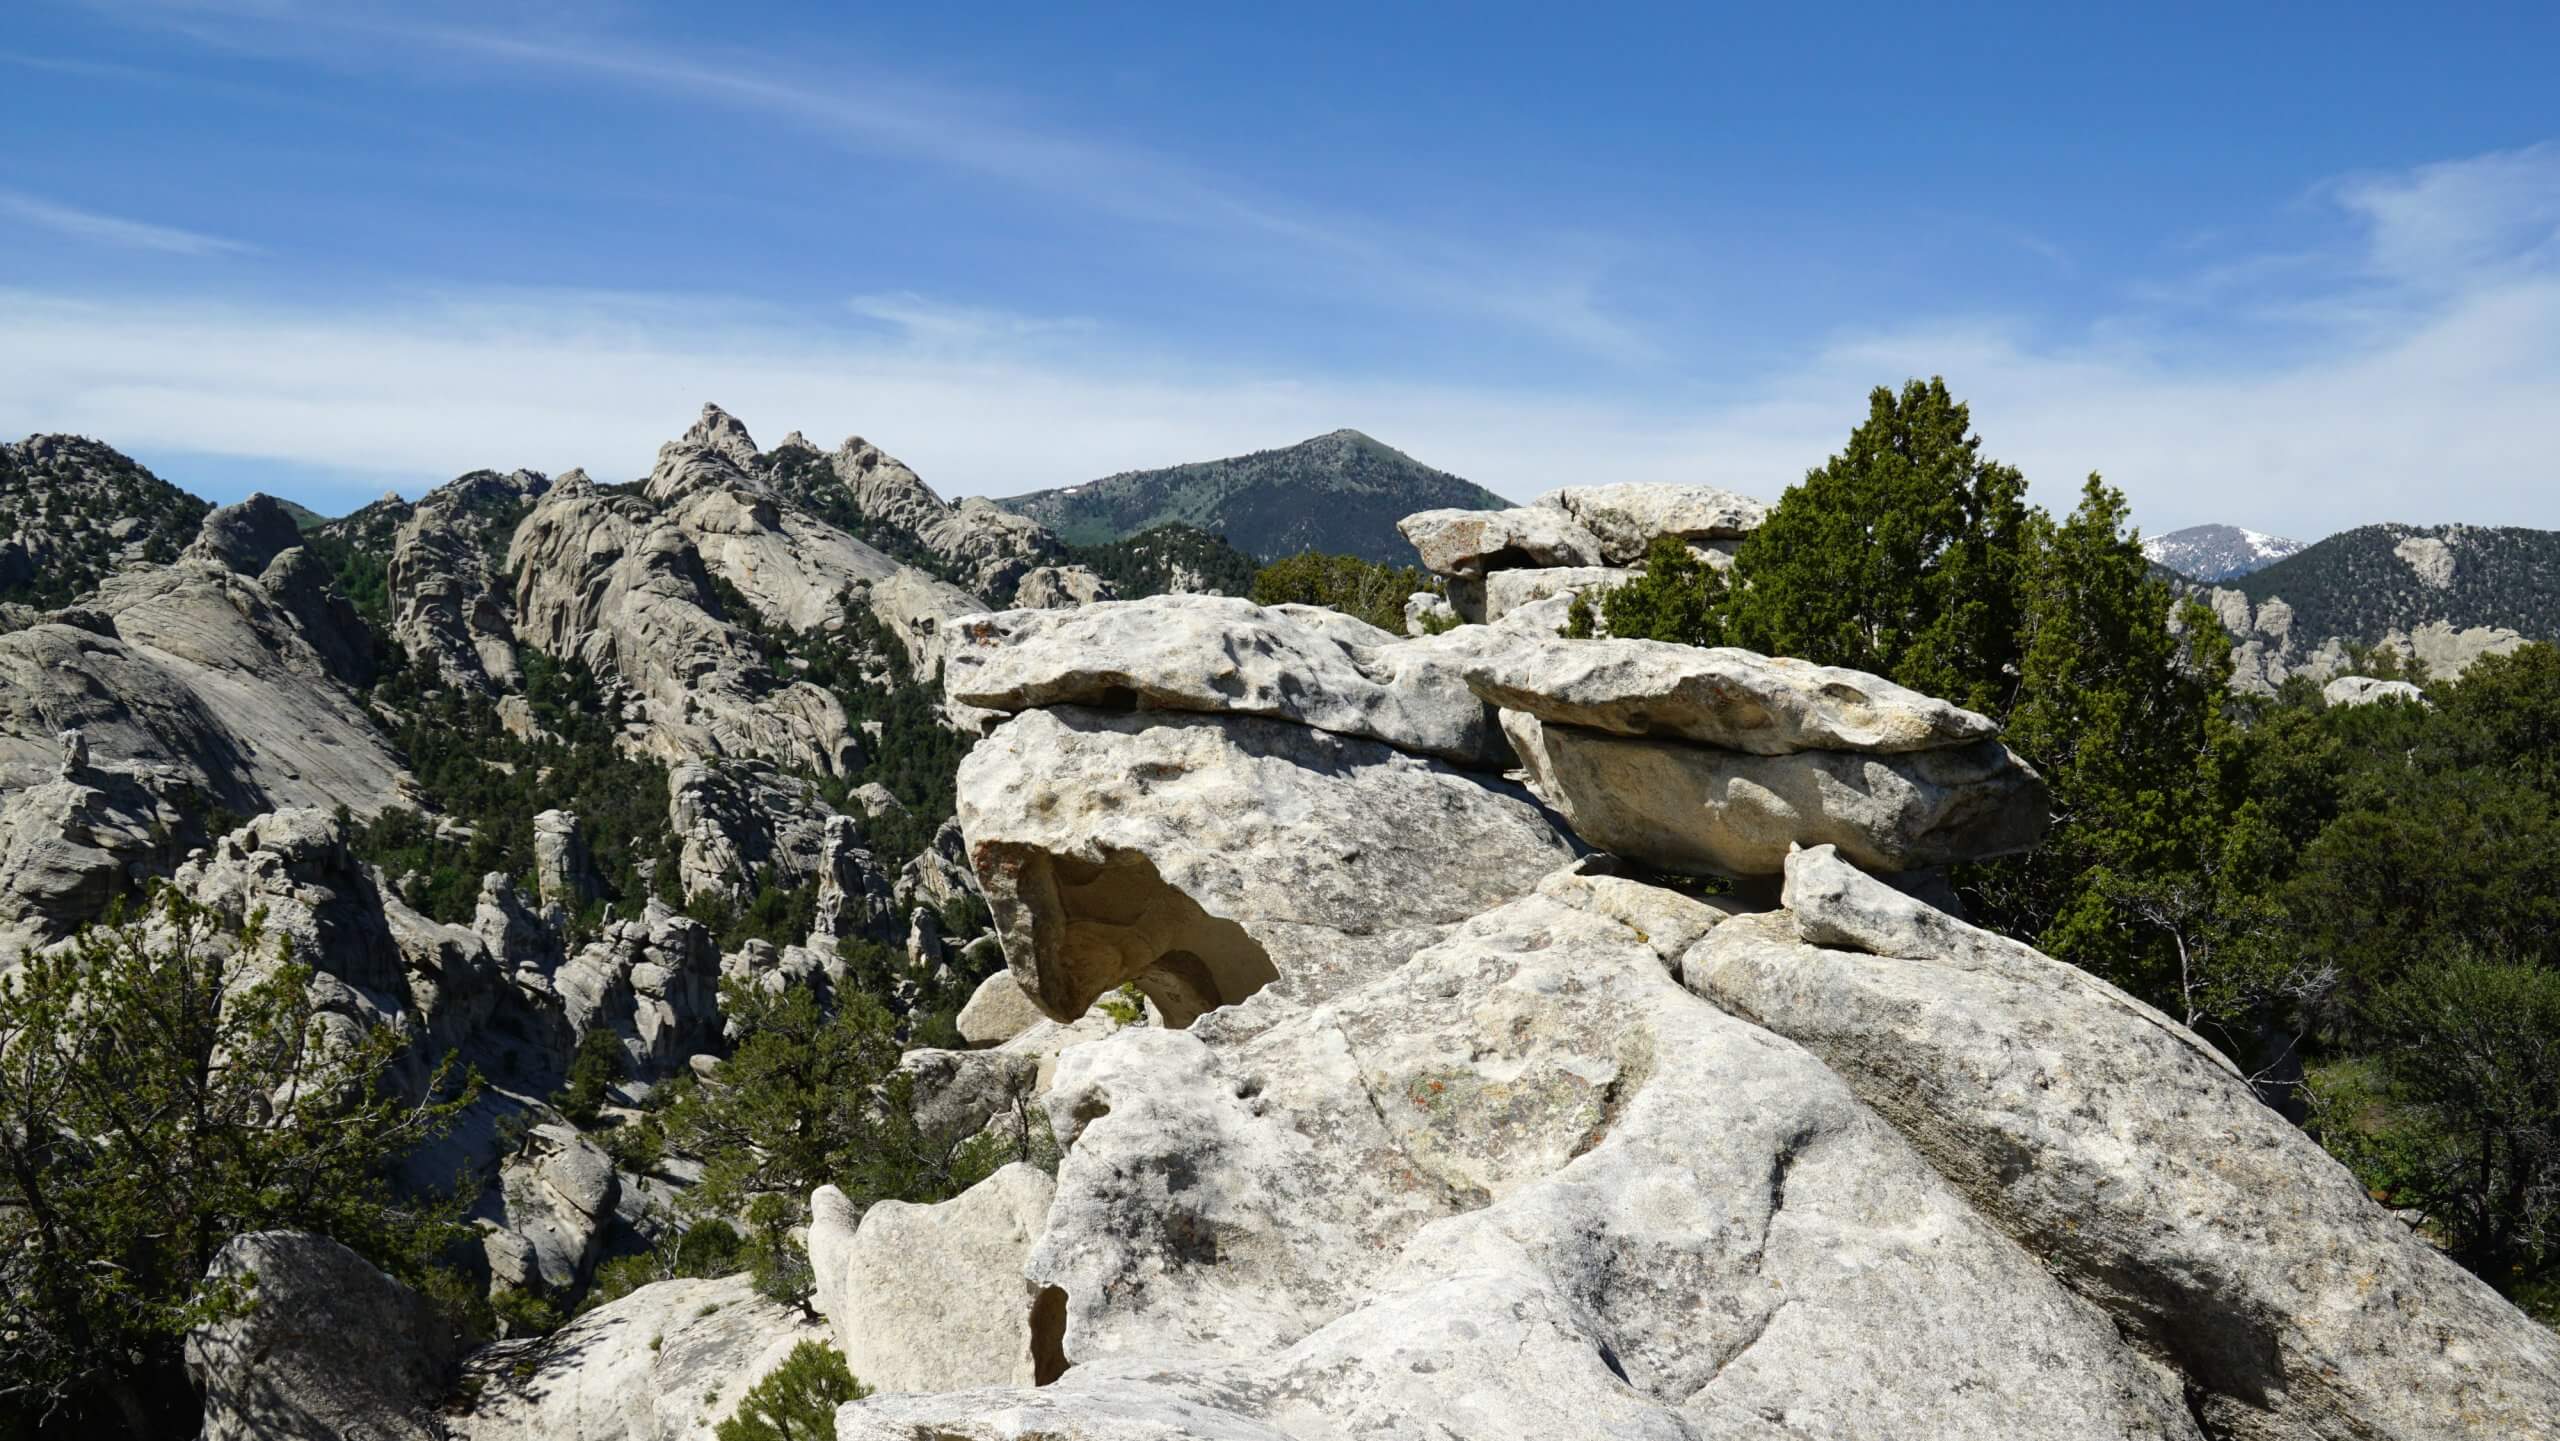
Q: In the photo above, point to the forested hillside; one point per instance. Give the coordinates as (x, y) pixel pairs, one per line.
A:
(73, 511)
(2361, 583)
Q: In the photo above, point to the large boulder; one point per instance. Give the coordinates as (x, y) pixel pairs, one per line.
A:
(1625, 519)
(669, 1362)
(329, 1350)
(1473, 543)
(932, 1298)
(1702, 810)
(244, 537)
(1205, 857)
(998, 1010)
(2365, 690)
(1219, 655)
(1718, 696)
(2135, 1160)
(1525, 1186)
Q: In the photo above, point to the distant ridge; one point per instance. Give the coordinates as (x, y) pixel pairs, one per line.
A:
(1342, 493)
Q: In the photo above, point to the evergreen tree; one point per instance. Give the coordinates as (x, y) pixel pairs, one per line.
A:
(167, 1084)
(1363, 588)
(1902, 555)
(1676, 597)
(797, 1400)
(2119, 706)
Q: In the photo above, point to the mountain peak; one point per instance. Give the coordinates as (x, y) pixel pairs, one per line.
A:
(1340, 492)
(2217, 552)
(720, 431)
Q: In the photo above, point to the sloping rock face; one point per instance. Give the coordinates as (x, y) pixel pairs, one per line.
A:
(183, 684)
(332, 1349)
(2212, 1231)
(609, 580)
(449, 600)
(668, 1362)
(1203, 858)
(1217, 655)
(1524, 1186)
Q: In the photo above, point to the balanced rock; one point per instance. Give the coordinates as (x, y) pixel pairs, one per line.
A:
(1474, 543)
(1718, 696)
(330, 1348)
(1625, 519)
(1204, 857)
(1218, 655)
(2140, 1165)
(1704, 810)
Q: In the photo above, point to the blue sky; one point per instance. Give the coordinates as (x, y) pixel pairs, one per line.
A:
(2296, 270)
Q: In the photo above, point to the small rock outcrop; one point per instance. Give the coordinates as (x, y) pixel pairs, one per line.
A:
(1732, 699)
(1702, 810)
(330, 1348)
(932, 1298)
(244, 538)
(1627, 519)
(669, 1362)
(2365, 690)
(1572, 540)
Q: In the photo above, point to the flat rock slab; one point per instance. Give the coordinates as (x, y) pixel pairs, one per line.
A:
(1704, 811)
(1718, 696)
(1626, 518)
(1474, 542)
(1218, 655)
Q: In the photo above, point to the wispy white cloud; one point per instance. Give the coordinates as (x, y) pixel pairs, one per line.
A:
(116, 230)
(2444, 416)
(1278, 239)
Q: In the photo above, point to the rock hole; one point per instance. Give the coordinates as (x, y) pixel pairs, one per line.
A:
(1099, 926)
(1048, 1335)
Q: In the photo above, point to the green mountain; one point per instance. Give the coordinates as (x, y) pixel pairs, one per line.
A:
(73, 512)
(1341, 493)
(2359, 583)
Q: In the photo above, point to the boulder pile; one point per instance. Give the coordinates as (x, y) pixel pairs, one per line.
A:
(1492, 562)
(1475, 1114)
